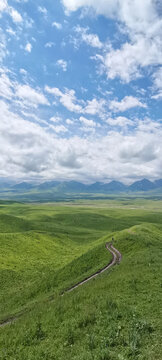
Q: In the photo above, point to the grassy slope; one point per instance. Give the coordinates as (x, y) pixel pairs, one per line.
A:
(115, 316)
(37, 244)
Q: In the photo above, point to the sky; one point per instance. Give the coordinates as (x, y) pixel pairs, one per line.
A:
(81, 90)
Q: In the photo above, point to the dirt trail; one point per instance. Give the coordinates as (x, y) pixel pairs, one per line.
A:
(119, 255)
(116, 258)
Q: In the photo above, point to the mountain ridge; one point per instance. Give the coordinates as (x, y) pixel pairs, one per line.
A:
(72, 186)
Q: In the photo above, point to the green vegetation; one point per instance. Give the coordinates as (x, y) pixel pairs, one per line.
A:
(47, 248)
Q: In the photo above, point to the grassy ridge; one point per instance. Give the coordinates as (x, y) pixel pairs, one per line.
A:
(113, 317)
(36, 246)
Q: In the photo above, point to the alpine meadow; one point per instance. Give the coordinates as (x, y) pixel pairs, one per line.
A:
(80, 180)
(46, 249)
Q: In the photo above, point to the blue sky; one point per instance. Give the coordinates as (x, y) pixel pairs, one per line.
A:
(81, 89)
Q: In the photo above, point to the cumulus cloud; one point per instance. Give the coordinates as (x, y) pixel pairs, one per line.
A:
(21, 147)
(67, 99)
(27, 149)
(58, 128)
(55, 119)
(87, 122)
(3, 5)
(37, 141)
(62, 64)
(137, 15)
(23, 71)
(69, 160)
(28, 47)
(42, 10)
(127, 103)
(11, 32)
(57, 25)
(6, 86)
(127, 61)
(30, 96)
(15, 15)
(94, 107)
(69, 122)
(121, 121)
(14, 91)
(49, 44)
(157, 79)
(143, 26)
(88, 38)
(3, 46)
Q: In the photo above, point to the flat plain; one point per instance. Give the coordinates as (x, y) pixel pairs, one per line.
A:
(47, 248)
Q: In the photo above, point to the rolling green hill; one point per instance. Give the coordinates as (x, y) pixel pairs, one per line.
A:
(45, 249)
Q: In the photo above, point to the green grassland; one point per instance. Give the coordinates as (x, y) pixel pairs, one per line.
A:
(46, 248)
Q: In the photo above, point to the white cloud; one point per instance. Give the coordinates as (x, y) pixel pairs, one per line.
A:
(148, 125)
(32, 115)
(62, 64)
(157, 79)
(157, 96)
(28, 47)
(121, 121)
(15, 91)
(58, 129)
(30, 96)
(125, 104)
(29, 23)
(69, 121)
(42, 10)
(49, 44)
(143, 25)
(3, 5)
(57, 25)
(37, 147)
(88, 129)
(6, 86)
(11, 32)
(87, 122)
(68, 160)
(90, 39)
(55, 119)
(23, 145)
(136, 14)
(3, 46)
(67, 99)
(16, 17)
(23, 71)
(94, 107)
(127, 61)
(27, 149)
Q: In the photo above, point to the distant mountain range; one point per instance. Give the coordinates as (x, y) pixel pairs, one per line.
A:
(74, 187)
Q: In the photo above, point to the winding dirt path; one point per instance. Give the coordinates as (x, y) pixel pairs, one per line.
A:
(116, 258)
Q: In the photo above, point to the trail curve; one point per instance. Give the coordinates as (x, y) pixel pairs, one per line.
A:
(116, 259)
